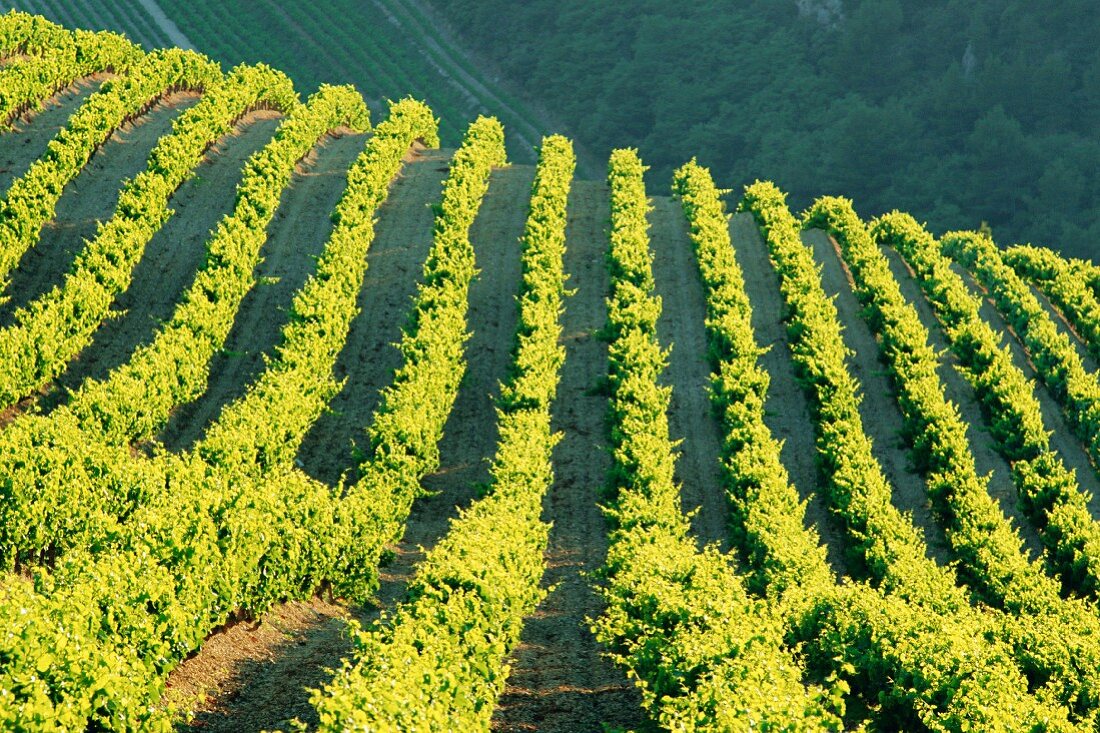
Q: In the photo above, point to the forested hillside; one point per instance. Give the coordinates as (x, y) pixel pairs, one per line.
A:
(958, 111)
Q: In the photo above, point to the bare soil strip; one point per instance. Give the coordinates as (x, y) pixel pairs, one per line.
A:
(559, 681)
(296, 237)
(173, 256)
(255, 675)
(958, 391)
(682, 326)
(1062, 439)
(367, 362)
(262, 685)
(90, 198)
(27, 141)
(880, 412)
(470, 436)
(787, 410)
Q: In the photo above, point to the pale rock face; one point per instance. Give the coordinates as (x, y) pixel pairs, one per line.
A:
(969, 60)
(828, 13)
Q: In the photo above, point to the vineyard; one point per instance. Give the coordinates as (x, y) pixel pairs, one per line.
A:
(310, 423)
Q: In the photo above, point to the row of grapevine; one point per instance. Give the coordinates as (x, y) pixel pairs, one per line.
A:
(135, 401)
(403, 438)
(55, 327)
(46, 507)
(769, 518)
(1056, 361)
(985, 542)
(31, 200)
(89, 644)
(438, 661)
(1063, 285)
(1049, 492)
(920, 668)
(1088, 272)
(705, 655)
(55, 58)
(51, 330)
(890, 547)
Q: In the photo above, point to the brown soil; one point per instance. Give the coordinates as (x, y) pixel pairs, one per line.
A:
(987, 460)
(296, 236)
(256, 675)
(1062, 439)
(787, 413)
(367, 362)
(470, 436)
(90, 198)
(26, 142)
(559, 680)
(881, 415)
(467, 445)
(174, 254)
(682, 327)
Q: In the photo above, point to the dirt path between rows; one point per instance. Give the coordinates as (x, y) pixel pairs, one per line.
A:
(986, 458)
(174, 255)
(879, 410)
(255, 675)
(296, 237)
(470, 435)
(683, 327)
(289, 651)
(559, 681)
(402, 237)
(26, 142)
(1062, 439)
(787, 411)
(90, 198)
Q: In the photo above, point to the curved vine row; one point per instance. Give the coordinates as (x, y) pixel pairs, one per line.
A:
(705, 655)
(988, 547)
(54, 328)
(438, 661)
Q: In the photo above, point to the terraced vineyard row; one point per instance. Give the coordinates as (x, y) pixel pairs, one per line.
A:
(891, 438)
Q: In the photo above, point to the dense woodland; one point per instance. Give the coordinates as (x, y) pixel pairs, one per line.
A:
(958, 111)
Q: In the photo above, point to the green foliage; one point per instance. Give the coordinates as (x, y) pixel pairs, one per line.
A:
(52, 329)
(1057, 362)
(56, 58)
(890, 548)
(404, 434)
(135, 401)
(114, 617)
(31, 199)
(705, 655)
(1049, 492)
(988, 547)
(878, 646)
(769, 516)
(439, 660)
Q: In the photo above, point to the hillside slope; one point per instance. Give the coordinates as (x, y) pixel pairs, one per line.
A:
(342, 45)
(843, 516)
